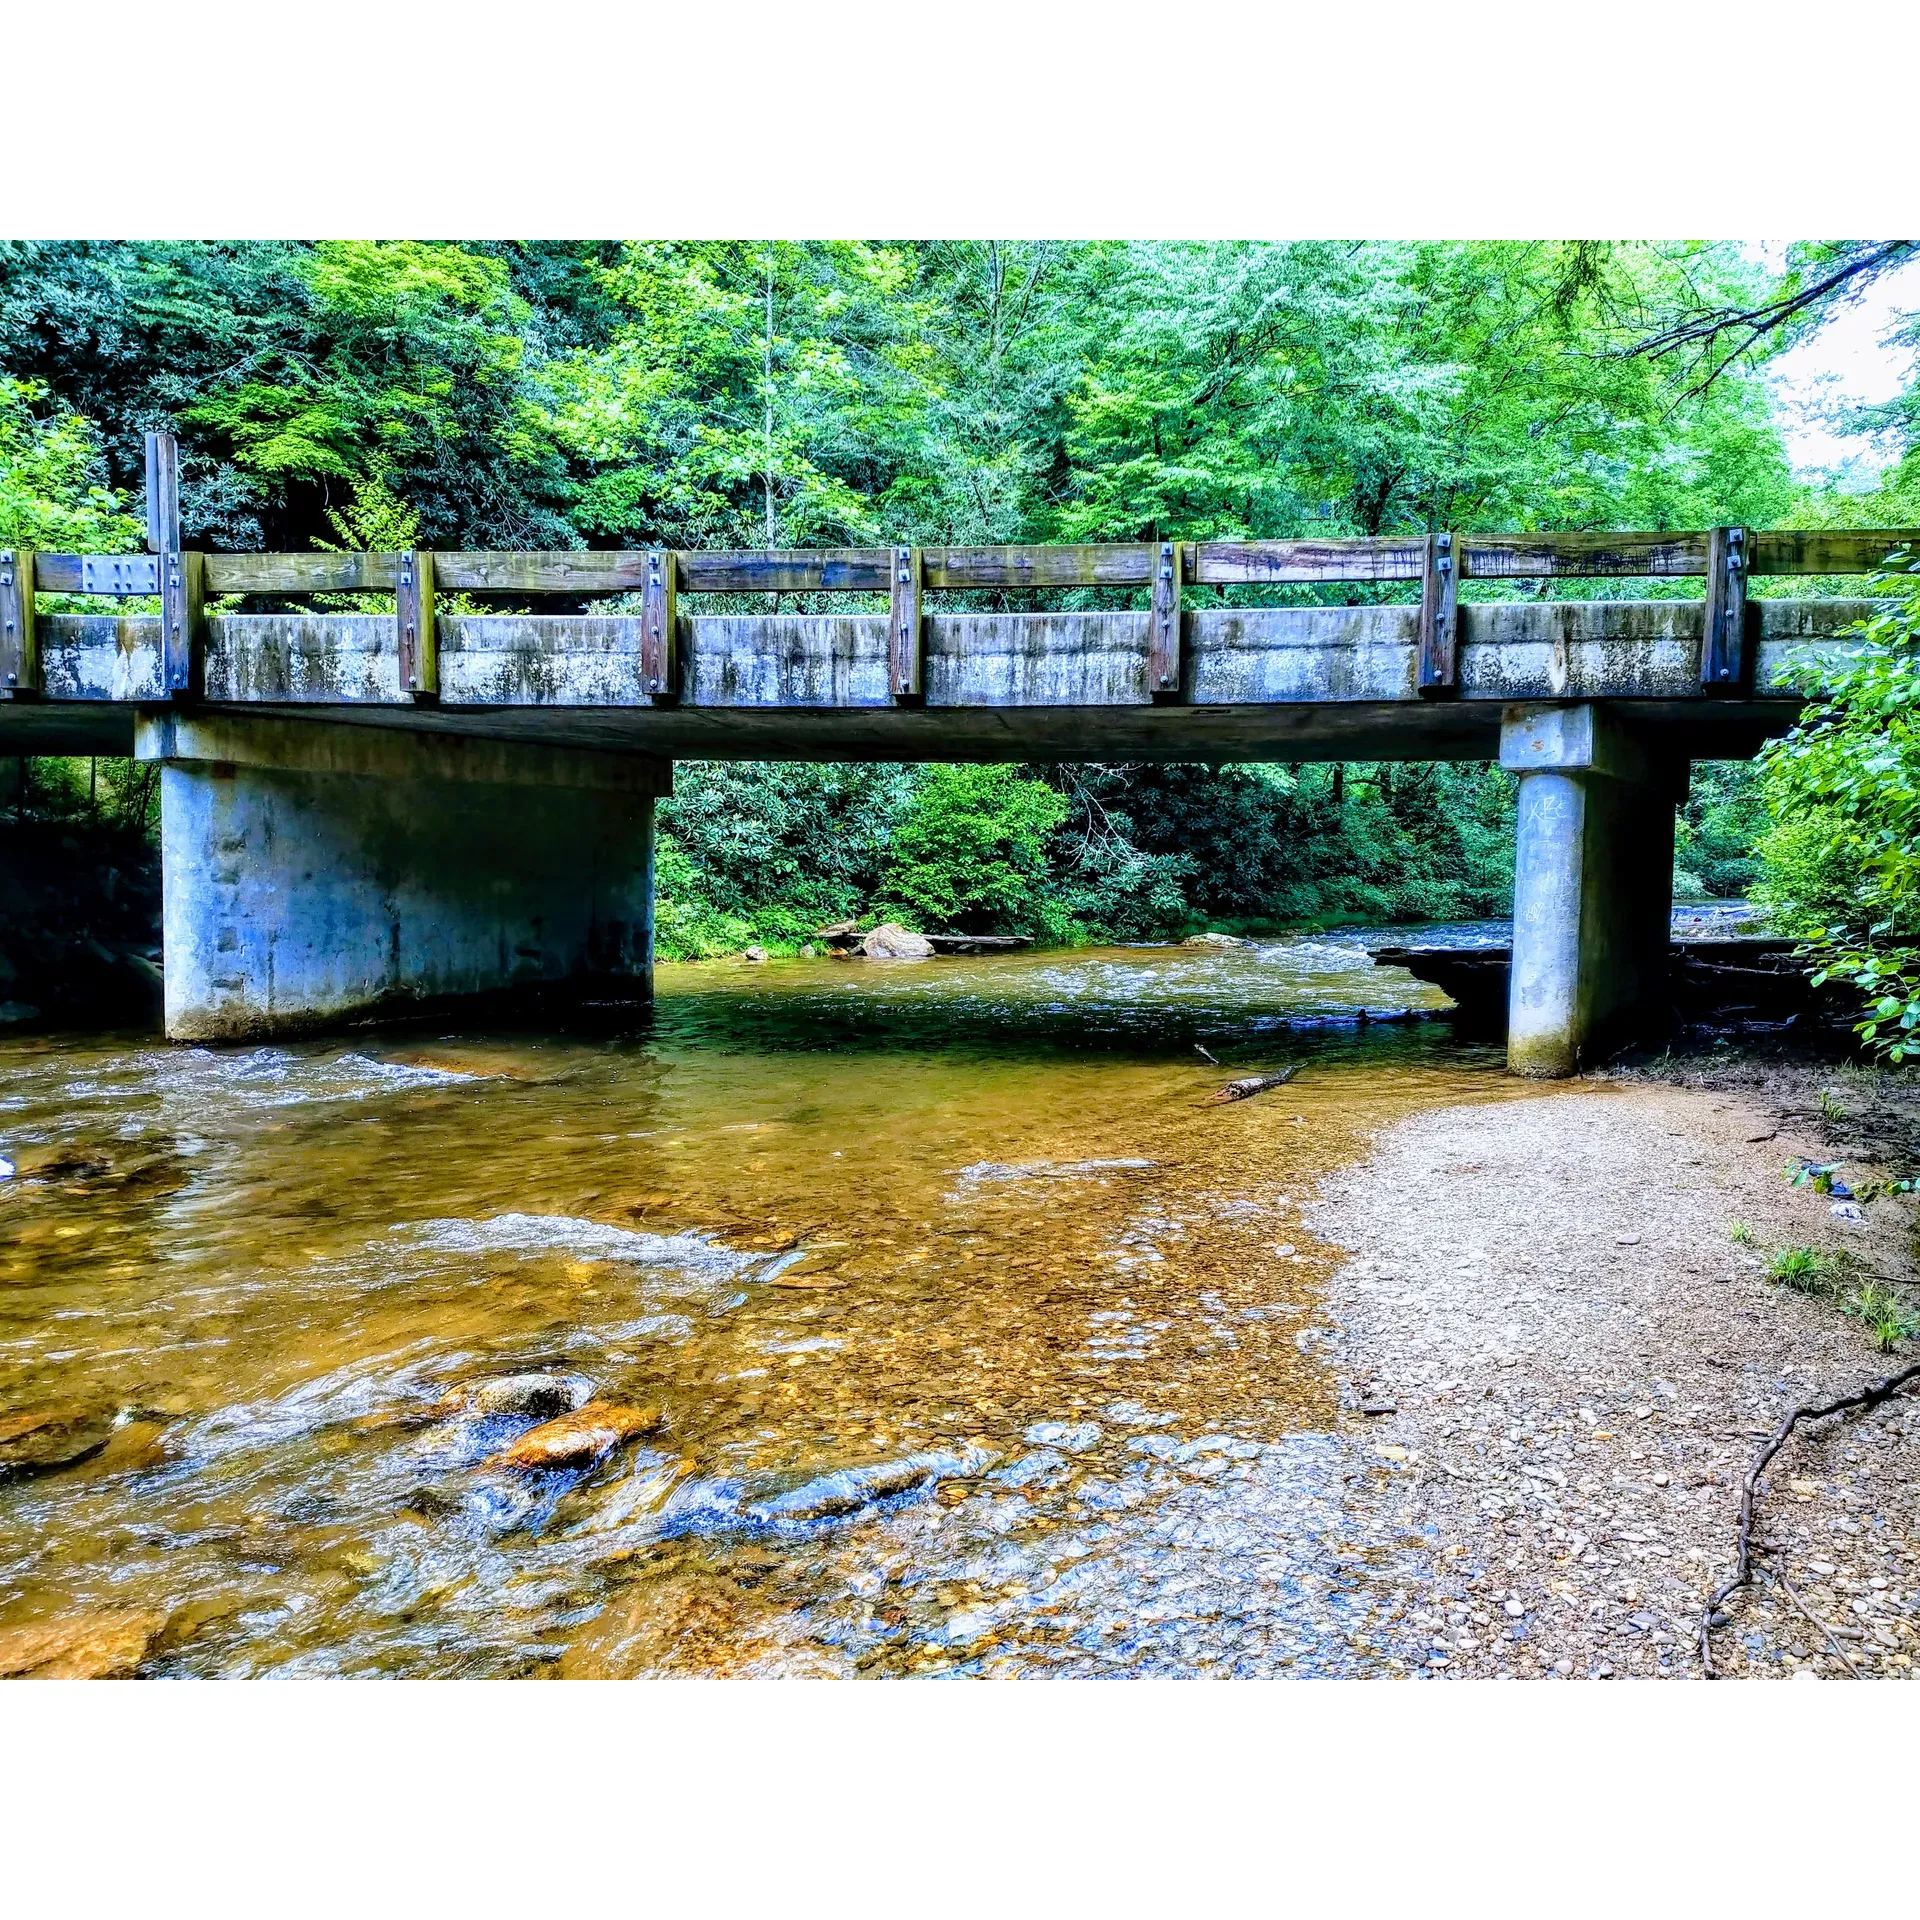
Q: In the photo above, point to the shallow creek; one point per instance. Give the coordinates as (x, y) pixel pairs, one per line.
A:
(983, 1341)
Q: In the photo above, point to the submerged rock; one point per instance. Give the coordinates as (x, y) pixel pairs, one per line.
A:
(61, 1160)
(103, 1645)
(538, 1395)
(835, 1495)
(891, 942)
(40, 1439)
(579, 1438)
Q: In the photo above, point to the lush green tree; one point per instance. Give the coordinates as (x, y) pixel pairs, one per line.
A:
(1843, 857)
(53, 489)
(970, 850)
(1724, 815)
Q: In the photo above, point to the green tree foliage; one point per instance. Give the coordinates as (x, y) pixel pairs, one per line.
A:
(1724, 815)
(1843, 854)
(53, 491)
(970, 851)
(497, 394)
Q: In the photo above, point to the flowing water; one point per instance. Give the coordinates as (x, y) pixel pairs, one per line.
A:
(978, 1338)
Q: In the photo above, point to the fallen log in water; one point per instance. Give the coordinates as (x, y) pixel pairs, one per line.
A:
(1254, 1083)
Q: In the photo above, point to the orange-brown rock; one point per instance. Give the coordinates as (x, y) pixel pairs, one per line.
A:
(105, 1645)
(579, 1438)
(39, 1438)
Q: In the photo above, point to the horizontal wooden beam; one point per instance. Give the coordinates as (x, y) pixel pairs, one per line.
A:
(1223, 563)
(1398, 557)
(585, 572)
(825, 570)
(1823, 551)
(1581, 556)
(1018, 567)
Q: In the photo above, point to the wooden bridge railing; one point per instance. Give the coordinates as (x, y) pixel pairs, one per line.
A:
(1727, 557)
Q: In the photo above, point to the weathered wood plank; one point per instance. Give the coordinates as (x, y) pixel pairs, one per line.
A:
(414, 619)
(1582, 556)
(1723, 651)
(905, 634)
(296, 573)
(183, 626)
(1226, 563)
(829, 570)
(163, 493)
(1163, 660)
(1008, 568)
(585, 572)
(1827, 550)
(1439, 677)
(19, 650)
(121, 574)
(659, 624)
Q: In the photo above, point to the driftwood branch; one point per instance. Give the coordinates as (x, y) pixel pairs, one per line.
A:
(1254, 1083)
(1813, 1619)
(1863, 1400)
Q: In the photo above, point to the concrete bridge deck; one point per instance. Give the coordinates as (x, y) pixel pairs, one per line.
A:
(370, 812)
(1279, 683)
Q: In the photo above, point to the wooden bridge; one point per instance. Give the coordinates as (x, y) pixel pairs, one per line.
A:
(465, 784)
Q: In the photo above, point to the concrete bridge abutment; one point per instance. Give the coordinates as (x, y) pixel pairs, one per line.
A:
(1593, 885)
(315, 873)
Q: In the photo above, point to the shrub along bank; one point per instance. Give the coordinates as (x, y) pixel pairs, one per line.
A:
(1074, 854)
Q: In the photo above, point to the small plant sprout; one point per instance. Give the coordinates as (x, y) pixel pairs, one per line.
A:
(1742, 1235)
(1806, 1270)
(1884, 1313)
(1830, 1107)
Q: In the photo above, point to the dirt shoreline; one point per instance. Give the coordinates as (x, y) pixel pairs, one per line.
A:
(1581, 1362)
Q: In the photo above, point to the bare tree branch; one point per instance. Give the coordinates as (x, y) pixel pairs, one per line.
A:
(1717, 337)
(1862, 1400)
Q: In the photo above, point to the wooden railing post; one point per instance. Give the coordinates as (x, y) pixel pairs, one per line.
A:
(658, 608)
(906, 649)
(419, 636)
(1163, 626)
(19, 653)
(1440, 619)
(1723, 639)
(181, 576)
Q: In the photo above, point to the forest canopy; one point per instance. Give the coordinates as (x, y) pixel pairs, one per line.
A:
(549, 394)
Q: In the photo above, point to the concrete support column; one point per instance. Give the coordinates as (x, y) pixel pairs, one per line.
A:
(314, 872)
(1593, 887)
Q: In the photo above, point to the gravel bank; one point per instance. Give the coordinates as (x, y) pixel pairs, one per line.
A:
(1581, 1362)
